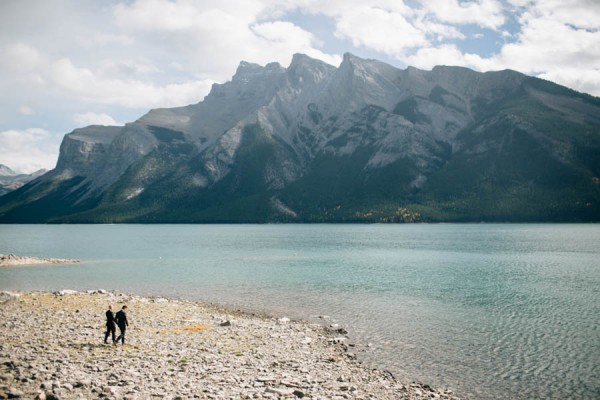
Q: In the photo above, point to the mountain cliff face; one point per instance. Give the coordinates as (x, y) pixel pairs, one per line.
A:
(364, 142)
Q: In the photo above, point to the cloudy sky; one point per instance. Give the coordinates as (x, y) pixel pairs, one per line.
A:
(66, 64)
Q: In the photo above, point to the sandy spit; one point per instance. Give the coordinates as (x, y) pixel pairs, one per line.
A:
(51, 347)
(12, 260)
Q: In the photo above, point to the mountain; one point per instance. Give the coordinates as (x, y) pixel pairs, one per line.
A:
(363, 142)
(11, 180)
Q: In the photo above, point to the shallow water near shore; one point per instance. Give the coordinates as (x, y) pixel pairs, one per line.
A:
(491, 310)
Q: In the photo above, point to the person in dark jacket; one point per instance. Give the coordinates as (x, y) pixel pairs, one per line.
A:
(110, 324)
(122, 322)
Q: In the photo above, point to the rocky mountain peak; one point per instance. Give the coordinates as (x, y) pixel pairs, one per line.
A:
(307, 70)
(6, 171)
(350, 58)
(362, 81)
(11, 180)
(247, 71)
(247, 67)
(365, 142)
(366, 67)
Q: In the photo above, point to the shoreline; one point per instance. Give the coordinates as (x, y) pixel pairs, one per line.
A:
(51, 346)
(13, 260)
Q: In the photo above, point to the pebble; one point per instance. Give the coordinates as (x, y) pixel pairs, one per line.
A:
(176, 349)
(15, 393)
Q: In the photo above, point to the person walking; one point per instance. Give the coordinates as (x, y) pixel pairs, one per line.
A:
(110, 324)
(122, 322)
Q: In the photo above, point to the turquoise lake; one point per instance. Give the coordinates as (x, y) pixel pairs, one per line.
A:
(493, 311)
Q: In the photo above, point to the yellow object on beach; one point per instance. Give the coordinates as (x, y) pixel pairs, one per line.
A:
(193, 328)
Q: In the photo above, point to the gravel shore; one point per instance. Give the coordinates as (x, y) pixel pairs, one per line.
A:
(12, 260)
(51, 347)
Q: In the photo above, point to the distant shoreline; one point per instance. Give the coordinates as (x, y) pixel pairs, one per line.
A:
(12, 260)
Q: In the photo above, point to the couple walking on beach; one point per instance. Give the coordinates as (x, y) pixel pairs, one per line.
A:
(121, 320)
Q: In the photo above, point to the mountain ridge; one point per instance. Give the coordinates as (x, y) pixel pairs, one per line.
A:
(11, 180)
(363, 142)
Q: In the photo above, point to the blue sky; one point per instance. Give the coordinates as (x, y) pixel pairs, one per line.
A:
(66, 64)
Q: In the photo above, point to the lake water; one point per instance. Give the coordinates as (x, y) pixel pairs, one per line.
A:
(491, 311)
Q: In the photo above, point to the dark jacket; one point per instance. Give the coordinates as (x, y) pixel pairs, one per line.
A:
(110, 318)
(121, 318)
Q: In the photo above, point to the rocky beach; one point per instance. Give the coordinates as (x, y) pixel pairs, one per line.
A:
(51, 347)
(13, 260)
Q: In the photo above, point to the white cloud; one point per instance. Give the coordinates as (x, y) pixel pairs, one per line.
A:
(439, 32)
(127, 68)
(282, 36)
(519, 3)
(557, 40)
(92, 118)
(208, 39)
(109, 39)
(26, 110)
(279, 31)
(427, 58)
(379, 29)
(557, 43)
(337, 8)
(485, 13)
(586, 80)
(545, 42)
(90, 86)
(156, 15)
(89, 58)
(582, 14)
(23, 57)
(27, 150)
